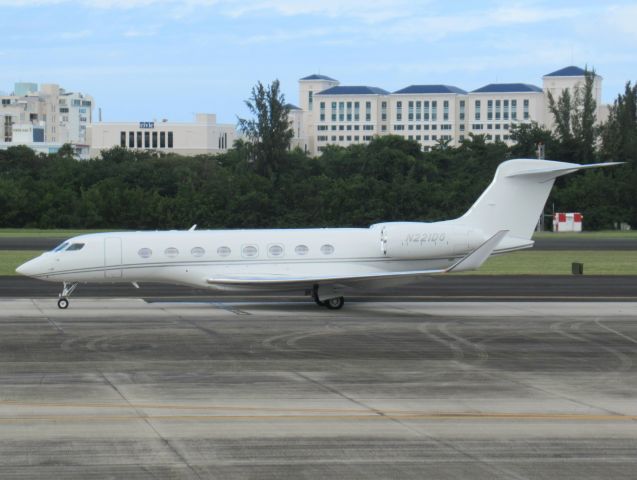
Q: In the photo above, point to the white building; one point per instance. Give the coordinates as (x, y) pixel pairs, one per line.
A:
(332, 114)
(492, 109)
(203, 136)
(63, 116)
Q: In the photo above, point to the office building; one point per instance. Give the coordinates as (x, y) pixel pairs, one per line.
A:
(203, 136)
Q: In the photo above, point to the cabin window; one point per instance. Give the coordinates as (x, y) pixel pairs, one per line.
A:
(145, 252)
(197, 252)
(171, 252)
(301, 250)
(223, 251)
(275, 250)
(75, 246)
(250, 251)
(327, 249)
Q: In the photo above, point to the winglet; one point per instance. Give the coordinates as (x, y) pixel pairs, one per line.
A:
(476, 258)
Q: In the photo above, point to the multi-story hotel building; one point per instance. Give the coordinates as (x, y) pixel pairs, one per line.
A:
(332, 114)
(45, 118)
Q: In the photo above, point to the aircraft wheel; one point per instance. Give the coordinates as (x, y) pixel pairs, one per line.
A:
(63, 303)
(335, 303)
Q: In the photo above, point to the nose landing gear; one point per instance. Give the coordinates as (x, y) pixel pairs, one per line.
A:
(67, 290)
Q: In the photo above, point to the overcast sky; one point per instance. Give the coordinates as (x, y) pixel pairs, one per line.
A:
(152, 59)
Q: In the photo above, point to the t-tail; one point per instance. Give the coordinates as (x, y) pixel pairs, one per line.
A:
(515, 198)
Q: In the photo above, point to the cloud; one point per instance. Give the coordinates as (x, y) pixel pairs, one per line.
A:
(365, 10)
(75, 35)
(432, 28)
(137, 32)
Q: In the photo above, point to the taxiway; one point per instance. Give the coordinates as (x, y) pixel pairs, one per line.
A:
(125, 388)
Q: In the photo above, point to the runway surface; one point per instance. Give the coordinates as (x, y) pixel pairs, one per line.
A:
(583, 243)
(123, 388)
(439, 288)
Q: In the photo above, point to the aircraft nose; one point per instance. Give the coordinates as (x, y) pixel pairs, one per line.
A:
(28, 268)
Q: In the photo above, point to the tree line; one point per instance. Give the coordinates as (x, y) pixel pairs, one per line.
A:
(260, 182)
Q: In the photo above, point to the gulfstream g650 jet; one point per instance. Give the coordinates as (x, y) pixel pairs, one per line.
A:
(322, 262)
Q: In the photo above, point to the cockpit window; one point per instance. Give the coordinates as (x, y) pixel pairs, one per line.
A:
(61, 247)
(75, 246)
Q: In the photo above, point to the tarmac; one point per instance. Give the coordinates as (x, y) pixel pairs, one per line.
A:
(268, 388)
(580, 243)
(567, 288)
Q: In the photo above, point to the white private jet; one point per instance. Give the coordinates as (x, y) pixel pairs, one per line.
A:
(323, 261)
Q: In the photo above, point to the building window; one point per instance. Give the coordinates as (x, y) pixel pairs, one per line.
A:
(170, 139)
(162, 139)
(139, 140)
(310, 100)
(445, 110)
(477, 107)
(154, 139)
(131, 139)
(147, 139)
(122, 139)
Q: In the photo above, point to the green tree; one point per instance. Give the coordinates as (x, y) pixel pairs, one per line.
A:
(574, 117)
(527, 137)
(270, 131)
(619, 133)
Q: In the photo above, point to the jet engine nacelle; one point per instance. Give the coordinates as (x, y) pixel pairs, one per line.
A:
(415, 240)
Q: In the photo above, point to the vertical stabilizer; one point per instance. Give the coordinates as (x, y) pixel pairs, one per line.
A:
(515, 198)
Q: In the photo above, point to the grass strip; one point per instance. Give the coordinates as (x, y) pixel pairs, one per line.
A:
(36, 232)
(543, 262)
(10, 259)
(67, 233)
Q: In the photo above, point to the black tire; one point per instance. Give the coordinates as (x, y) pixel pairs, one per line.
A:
(63, 303)
(335, 303)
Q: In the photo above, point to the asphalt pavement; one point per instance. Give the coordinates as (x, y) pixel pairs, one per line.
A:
(438, 288)
(122, 388)
(583, 243)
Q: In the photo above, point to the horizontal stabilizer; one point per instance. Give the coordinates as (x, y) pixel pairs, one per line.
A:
(559, 169)
(476, 258)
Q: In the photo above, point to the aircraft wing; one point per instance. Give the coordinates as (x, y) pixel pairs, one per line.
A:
(471, 261)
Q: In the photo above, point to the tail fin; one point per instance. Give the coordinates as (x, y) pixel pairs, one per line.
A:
(517, 195)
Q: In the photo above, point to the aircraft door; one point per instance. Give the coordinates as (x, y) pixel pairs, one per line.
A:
(112, 257)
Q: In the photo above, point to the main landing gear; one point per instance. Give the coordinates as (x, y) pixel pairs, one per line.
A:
(334, 303)
(67, 290)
